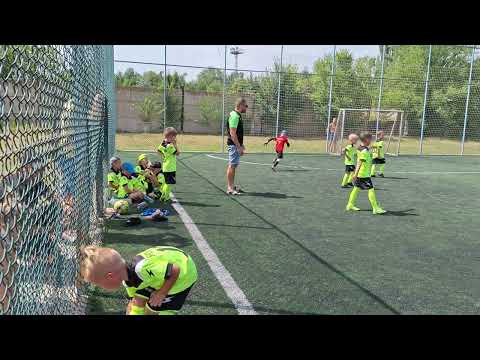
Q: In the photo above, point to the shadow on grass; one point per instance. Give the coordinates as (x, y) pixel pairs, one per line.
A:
(292, 170)
(96, 307)
(310, 252)
(271, 195)
(235, 226)
(394, 213)
(160, 239)
(391, 178)
(400, 213)
(197, 204)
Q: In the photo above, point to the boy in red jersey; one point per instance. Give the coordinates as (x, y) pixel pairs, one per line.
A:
(280, 142)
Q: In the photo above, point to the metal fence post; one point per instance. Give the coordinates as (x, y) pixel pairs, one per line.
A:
(279, 88)
(165, 88)
(380, 93)
(425, 99)
(223, 101)
(468, 100)
(332, 71)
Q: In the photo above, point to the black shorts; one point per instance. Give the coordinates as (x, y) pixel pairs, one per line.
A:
(170, 177)
(172, 302)
(349, 168)
(279, 155)
(378, 161)
(363, 183)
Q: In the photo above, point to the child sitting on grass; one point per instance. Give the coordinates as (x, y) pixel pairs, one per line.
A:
(350, 153)
(157, 281)
(378, 155)
(361, 177)
(131, 187)
(169, 150)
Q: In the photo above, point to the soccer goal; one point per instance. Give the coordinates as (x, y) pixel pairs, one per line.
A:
(391, 122)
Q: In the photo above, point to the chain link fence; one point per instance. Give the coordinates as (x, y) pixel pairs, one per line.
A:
(57, 108)
(435, 87)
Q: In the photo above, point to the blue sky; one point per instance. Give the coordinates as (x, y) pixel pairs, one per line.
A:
(256, 57)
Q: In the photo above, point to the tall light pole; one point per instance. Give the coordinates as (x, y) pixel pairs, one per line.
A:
(235, 51)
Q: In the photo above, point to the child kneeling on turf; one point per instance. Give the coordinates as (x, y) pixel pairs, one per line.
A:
(169, 150)
(350, 159)
(157, 281)
(361, 177)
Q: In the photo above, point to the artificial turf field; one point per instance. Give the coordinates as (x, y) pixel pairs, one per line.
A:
(292, 249)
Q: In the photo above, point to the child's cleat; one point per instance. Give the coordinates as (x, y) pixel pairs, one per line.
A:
(233, 192)
(381, 175)
(379, 211)
(351, 208)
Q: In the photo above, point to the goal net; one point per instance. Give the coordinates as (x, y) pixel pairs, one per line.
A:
(391, 122)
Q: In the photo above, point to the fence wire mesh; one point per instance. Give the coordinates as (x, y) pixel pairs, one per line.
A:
(302, 89)
(56, 132)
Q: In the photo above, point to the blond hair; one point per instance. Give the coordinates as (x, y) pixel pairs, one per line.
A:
(239, 101)
(96, 260)
(169, 131)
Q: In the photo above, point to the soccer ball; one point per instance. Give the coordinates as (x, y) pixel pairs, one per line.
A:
(121, 206)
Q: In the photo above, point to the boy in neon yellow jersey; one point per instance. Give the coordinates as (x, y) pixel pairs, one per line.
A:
(169, 150)
(350, 160)
(142, 164)
(157, 281)
(378, 155)
(361, 177)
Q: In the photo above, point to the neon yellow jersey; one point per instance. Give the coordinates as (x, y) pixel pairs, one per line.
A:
(351, 151)
(378, 152)
(139, 183)
(153, 266)
(364, 156)
(161, 178)
(123, 180)
(169, 156)
(113, 179)
(139, 170)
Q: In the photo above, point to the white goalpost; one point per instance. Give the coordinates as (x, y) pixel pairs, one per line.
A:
(358, 120)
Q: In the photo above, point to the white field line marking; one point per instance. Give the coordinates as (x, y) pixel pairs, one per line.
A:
(233, 291)
(341, 170)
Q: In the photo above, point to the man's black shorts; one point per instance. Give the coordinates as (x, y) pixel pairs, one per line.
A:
(279, 155)
(378, 161)
(349, 168)
(170, 177)
(172, 302)
(363, 183)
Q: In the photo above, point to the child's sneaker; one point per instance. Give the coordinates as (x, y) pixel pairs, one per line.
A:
(351, 208)
(379, 211)
(148, 199)
(237, 188)
(381, 175)
(233, 192)
(142, 206)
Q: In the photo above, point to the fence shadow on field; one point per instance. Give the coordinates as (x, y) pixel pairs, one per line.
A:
(159, 239)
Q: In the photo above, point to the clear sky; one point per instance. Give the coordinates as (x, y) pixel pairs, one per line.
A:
(255, 57)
